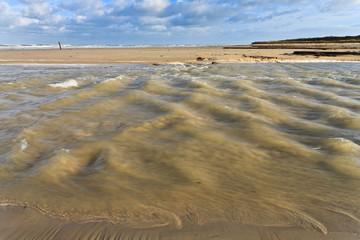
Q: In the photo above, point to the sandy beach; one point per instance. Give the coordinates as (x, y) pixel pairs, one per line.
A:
(164, 55)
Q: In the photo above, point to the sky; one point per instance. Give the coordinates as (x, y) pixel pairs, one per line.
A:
(152, 22)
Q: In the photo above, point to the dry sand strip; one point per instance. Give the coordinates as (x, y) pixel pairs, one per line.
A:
(161, 55)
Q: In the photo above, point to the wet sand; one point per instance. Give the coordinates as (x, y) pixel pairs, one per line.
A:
(166, 55)
(19, 222)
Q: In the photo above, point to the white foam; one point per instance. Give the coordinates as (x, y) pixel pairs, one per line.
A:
(177, 63)
(341, 139)
(109, 80)
(112, 79)
(227, 107)
(348, 143)
(66, 84)
(72, 46)
(65, 149)
(23, 144)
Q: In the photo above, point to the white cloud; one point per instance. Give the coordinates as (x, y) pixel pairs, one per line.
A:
(80, 18)
(150, 20)
(13, 19)
(338, 5)
(121, 4)
(84, 7)
(200, 7)
(4, 7)
(37, 9)
(158, 27)
(154, 6)
(26, 21)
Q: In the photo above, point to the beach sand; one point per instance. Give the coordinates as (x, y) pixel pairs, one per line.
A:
(165, 55)
(17, 222)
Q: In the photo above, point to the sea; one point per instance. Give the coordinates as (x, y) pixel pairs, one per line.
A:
(143, 146)
(89, 46)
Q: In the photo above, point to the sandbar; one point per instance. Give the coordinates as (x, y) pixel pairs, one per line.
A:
(164, 55)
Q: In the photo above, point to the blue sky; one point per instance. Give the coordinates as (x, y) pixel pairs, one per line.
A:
(173, 21)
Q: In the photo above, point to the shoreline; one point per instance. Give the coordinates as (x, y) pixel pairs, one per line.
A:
(170, 63)
(167, 55)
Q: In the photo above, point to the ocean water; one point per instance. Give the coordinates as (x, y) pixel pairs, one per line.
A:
(265, 144)
(92, 46)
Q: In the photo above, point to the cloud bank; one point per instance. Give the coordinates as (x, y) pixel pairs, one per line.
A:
(174, 21)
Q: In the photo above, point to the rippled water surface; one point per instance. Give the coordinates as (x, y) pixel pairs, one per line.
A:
(147, 146)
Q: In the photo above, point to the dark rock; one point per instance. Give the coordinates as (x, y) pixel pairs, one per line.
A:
(326, 54)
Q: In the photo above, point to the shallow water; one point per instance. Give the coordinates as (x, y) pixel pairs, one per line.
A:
(147, 146)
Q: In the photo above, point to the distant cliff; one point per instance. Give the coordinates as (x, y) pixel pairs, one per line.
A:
(347, 39)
